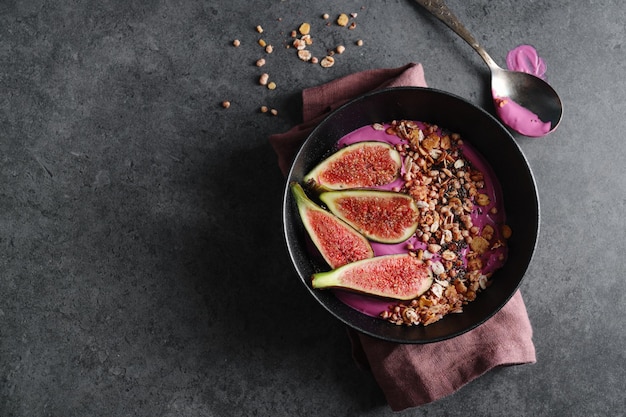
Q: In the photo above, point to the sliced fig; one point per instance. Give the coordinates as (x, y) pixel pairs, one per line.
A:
(362, 164)
(399, 276)
(337, 241)
(381, 216)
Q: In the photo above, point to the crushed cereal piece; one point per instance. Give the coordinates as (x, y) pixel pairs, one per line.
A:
(340, 49)
(262, 43)
(260, 62)
(259, 29)
(264, 78)
(342, 20)
(271, 85)
(269, 49)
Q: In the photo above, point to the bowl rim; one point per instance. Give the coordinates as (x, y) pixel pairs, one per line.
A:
(287, 196)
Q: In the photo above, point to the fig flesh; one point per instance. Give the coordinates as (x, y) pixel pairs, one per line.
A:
(337, 242)
(398, 276)
(381, 216)
(362, 164)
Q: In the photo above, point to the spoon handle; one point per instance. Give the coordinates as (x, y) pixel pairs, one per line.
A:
(440, 10)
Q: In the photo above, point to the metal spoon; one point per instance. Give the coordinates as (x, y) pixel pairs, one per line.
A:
(528, 92)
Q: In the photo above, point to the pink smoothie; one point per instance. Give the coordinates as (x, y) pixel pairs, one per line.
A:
(481, 216)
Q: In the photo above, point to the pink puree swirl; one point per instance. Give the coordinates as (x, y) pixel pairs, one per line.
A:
(524, 58)
(373, 306)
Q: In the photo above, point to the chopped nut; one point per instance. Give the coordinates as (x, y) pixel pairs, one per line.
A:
(264, 78)
(262, 43)
(299, 44)
(271, 85)
(226, 104)
(236, 43)
(342, 20)
(304, 28)
(327, 62)
(260, 62)
(340, 49)
(506, 231)
(259, 29)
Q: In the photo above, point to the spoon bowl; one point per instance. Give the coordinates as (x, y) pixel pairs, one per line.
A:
(524, 102)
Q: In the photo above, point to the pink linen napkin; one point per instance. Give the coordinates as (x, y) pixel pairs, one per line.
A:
(413, 375)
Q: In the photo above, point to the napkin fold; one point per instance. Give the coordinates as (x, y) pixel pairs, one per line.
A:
(413, 375)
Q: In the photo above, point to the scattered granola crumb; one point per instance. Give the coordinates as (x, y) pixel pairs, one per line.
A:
(314, 60)
(352, 26)
(359, 42)
(271, 85)
(269, 49)
(264, 78)
(259, 29)
(294, 33)
(327, 62)
(236, 43)
(305, 55)
(262, 43)
(342, 20)
(340, 49)
(304, 29)
(274, 112)
(226, 104)
(264, 109)
(325, 16)
(260, 62)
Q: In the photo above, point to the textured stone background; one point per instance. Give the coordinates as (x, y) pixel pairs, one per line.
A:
(143, 270)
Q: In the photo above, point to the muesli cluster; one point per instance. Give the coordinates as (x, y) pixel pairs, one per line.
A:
(448, 189)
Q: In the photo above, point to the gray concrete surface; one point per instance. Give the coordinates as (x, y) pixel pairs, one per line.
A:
(143, 270)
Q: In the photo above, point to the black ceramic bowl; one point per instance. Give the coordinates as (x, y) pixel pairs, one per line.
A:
(477, 127)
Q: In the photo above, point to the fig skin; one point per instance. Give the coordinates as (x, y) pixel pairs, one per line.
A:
(360, 165)
(337, 242)
(381, 216)
(398, 276)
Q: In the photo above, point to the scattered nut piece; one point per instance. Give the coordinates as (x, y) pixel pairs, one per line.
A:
(262, 43)
(327, 62)
(259, 29)
(305, 55)
(260, 62)
(483, 200)
(359, 42)
(236, 43)
(269, 49)
(299, 44)
(264, 78)
(226, 104)
(340, 49)
(304, 28)
(271, 85)
(342, 20)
